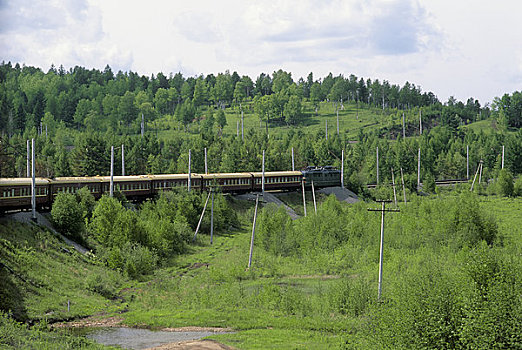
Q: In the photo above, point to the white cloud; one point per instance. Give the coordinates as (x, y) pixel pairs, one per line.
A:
(464, 48)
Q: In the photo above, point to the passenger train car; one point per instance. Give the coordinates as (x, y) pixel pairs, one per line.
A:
(15, 193)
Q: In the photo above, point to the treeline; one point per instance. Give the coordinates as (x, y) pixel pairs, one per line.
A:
(443, 154)
(102, 100)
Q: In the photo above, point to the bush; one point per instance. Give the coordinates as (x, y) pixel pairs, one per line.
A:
(274, 228)
(505, 183)
(67, 215)
(517, 188)
(470, 224)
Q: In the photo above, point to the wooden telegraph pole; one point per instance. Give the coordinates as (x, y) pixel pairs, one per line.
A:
(382, 210)
(394, 191)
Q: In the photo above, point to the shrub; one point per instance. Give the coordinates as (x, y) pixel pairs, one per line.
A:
(67, 215)
(274, 228)
(517, 188)
(470, 224)
(505, 183)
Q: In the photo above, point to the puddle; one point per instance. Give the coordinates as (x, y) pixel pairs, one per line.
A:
(135, 338)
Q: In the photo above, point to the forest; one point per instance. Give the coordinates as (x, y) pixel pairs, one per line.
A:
(452, 267)
(76, 115)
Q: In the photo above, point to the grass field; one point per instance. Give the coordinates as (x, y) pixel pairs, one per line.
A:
(314, 300)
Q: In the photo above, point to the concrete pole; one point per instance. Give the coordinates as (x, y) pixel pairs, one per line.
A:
(206, 166)
(111, 189)
(201, 218)
(467, 162)
(475, 177)
(326, 129)
(189, 179)
(403, 187)
(263, 175)
(418, 170)
(293, 168)
(237, 128)
(46, 131)
(394, 191)
(242, 127)
(313, 196)
(337, 122)
(502, 157)
(28, 161)
(381, 251)
(403, 127)
(304, 197)
(33, 182)
(253, 233)
(377, 165)
(142, 125)
(212, 218)
(342, 168)
(480, 172)
(420, 122)
(122, 160)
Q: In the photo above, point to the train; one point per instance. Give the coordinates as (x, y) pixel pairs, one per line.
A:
(15, 193)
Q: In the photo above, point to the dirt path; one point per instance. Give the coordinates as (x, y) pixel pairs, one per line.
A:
(194, 345)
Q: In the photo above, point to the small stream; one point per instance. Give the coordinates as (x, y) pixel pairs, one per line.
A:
(135, 338)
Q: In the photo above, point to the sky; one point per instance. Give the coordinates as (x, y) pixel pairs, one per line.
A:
(460, 48)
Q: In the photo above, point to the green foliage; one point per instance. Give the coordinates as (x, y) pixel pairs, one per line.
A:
(470, 224)
(275, 231)
(517, 187)
(505, 183)
(68, 215)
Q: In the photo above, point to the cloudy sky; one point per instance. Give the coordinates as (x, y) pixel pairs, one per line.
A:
(450, 47)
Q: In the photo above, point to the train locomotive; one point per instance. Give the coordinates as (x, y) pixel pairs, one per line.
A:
(15, 193)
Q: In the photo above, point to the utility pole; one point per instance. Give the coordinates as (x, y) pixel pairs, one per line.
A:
(293, 168)
(142, 125)
(33, 183)
(337, 122)
(28, 157)
(502, 157)
(212, 218)
(206, 167)
(242, 127)
(342, 168)
(201, 218)
(253, 233)
(263, 175)
(382, 210)
(479, 168)
(403, 187)
(418, 171)
(122, 160)
(377, 165)
(403, 127)
(467, 162)
(313, 196)
(111, 189)
(394, 191)
(304, 197)
(189, 179)
(420, 122)
(237, 128)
